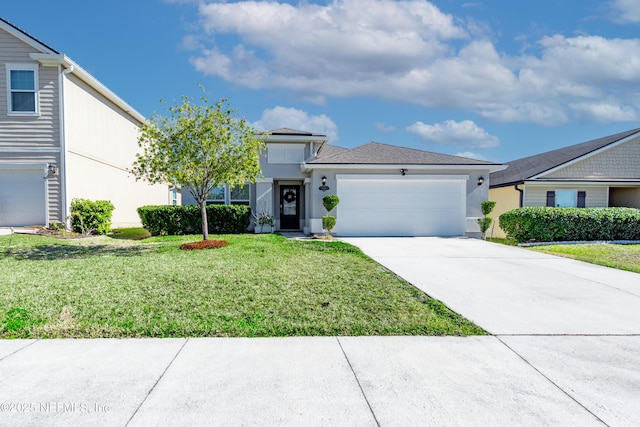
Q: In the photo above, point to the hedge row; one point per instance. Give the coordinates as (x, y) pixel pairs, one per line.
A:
(547, 224)
(170, 220)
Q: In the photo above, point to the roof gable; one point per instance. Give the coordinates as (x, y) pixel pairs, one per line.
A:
(528, 167)
(375, 153)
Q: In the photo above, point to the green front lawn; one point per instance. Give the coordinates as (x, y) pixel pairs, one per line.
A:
(258, 285)
(623, 257)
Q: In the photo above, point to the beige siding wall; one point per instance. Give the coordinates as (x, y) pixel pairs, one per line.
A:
(622, 161)
(536, 195)
(29, 131)
(101, 143)
(21, 137)
(506, 198)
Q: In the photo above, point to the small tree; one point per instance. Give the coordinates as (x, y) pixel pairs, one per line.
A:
(199, 146)
(485, 222)
(330, 201)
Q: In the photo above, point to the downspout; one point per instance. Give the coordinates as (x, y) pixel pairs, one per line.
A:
(63, 144)
(521, 193)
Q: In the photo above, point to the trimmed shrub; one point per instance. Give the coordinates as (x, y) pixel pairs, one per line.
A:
(546, 224)
(89, 217)
(176, 220)
(328, 222)
(330, 201)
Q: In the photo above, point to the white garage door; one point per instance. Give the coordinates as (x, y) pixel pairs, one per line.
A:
(373, 205)
(22, 197)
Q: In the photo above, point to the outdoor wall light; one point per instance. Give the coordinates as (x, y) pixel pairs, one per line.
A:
(323, 187)
(52, 170)
(480, 180)
(403, 172)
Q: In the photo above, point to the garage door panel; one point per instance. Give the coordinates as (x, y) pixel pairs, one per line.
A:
(391, 207)
(22, 197)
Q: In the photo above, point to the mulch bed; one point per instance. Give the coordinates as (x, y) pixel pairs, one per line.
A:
(203, 244)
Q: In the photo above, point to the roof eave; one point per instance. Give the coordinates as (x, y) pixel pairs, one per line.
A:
(389, 166)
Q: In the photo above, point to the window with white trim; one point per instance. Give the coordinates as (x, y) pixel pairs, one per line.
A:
(226, 195)
(566, 198)
(285, 153)
(22, 89)
(174, 197)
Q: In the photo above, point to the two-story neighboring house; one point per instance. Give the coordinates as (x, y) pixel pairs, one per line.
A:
(63, 135)
(384, 190)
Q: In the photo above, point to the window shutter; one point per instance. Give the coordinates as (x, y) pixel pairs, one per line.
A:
(551, 198)
(582, 196)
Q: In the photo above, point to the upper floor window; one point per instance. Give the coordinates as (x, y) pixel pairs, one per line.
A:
(22, 89)
(285, 153)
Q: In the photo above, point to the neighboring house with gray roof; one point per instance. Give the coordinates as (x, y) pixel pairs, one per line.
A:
(384, 190)
(603, 172)
(63, 135)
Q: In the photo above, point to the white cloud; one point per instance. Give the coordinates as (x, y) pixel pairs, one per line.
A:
(409, 51)
(278, 117)
(626, 11)
(464, 134)
(384, 127)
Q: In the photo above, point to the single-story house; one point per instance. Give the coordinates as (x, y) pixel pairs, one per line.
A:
(384, 190)
(64, 135)
(603, 172)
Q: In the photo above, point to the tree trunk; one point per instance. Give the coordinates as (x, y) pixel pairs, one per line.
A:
(205, 225)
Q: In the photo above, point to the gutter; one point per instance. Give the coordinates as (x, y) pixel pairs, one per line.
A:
(307, 167)
(521, 191)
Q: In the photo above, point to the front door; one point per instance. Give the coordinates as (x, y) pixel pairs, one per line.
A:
(289, 207)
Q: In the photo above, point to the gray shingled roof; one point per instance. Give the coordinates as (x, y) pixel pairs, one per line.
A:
(375, 153)
(328, 150)
(522, 169)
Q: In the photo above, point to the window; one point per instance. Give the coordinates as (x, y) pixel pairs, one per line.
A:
(174, 197)
(240, 195)
(285, 153)
(22, 89)
(223, 194)
(217, 195)
(566, 198)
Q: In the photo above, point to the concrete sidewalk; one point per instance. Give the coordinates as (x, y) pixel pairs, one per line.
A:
(345, 381)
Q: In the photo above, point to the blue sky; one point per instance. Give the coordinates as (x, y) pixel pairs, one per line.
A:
(489, 79)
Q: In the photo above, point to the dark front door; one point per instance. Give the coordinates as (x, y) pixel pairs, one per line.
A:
(290, 207)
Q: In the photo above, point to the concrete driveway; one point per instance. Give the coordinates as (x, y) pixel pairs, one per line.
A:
(510, 290)
(575, 324)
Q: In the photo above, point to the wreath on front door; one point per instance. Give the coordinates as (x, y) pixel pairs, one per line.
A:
(289, 196)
